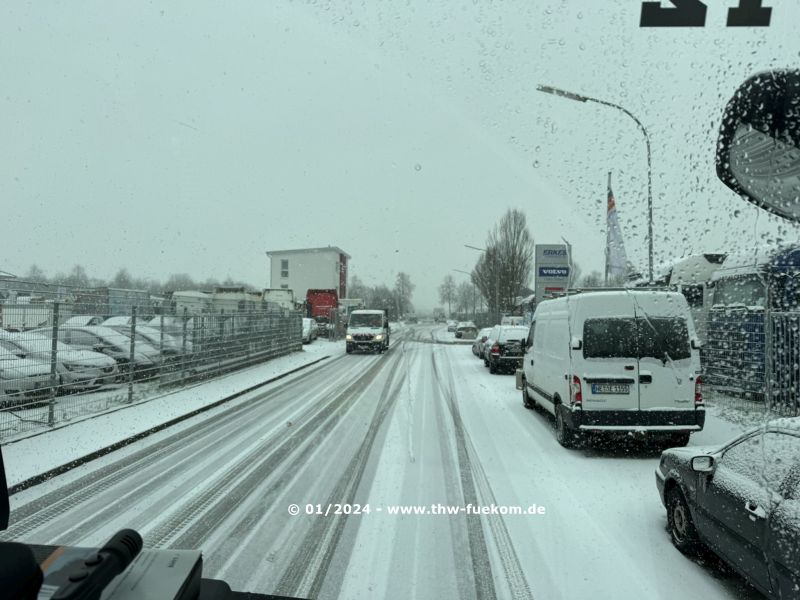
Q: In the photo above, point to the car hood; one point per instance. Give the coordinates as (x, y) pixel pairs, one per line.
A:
(686, 454)
(23, 367)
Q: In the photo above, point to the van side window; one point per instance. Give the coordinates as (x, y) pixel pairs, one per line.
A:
(529, 342)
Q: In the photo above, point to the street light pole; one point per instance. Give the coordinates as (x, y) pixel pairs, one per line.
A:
(581, 98)
(496, 279)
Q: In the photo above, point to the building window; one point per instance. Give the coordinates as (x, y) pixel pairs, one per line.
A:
(284, 267)
(285, 286)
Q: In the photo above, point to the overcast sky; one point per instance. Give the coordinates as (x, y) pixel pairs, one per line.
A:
(195, 136)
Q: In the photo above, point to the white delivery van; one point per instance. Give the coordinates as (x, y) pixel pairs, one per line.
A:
(615, 361)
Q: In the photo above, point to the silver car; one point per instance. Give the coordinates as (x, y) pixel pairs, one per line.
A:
(22, 380)
(76, 369)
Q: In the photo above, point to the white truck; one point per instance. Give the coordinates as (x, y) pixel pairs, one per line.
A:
(280, 296)
(367, 330)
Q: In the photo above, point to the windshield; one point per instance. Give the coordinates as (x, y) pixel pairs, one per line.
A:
(366, 320)
(343, 215)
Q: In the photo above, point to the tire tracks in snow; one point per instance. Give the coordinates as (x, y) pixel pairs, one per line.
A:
(309, 565)
(477, 491)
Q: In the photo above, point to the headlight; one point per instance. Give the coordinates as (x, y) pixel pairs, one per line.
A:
(348, 337)
(379, 337)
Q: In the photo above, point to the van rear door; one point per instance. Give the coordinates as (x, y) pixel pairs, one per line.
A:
(611, 369)
(666, 372)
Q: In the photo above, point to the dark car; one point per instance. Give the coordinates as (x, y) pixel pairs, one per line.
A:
(741, 500)
(466, 332)
(507, 349)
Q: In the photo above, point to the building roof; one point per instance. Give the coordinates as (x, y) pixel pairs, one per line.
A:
(308, 250)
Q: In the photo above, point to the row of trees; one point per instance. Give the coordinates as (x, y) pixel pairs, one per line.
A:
(79, 277)
(397, 298)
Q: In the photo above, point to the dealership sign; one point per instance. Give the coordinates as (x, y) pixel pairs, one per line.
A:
(552, 270)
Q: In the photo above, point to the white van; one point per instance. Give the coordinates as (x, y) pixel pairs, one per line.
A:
(615, 361)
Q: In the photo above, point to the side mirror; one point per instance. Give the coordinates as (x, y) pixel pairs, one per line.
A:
(577, 343)
(696, 344)
(703, 464)
(758, 151)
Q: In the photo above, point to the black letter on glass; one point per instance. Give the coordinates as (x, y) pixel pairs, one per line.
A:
(684, 13)
(749, 13)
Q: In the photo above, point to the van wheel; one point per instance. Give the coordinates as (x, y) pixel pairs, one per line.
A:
(679, 440)
(526, 399)
(565, 436)
(680, 524)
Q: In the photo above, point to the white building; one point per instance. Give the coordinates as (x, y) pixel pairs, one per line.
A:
(309, 268)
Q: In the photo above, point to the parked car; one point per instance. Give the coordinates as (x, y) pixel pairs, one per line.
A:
(153, 337)
(310, 331)
(615, 361)
(490, 338)
(451, 325)
(82, 320)
(76, 369)
(741, 500)
(112, 343)
(22, 380)
(477, 345)
(513, 321)
(506, 350)
(466, 332)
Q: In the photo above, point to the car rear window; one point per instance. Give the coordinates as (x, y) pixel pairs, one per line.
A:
(609, 338)
(513, 333)
(652, 337)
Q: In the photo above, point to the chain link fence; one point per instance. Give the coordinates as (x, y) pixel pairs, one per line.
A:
(89, 350)
(752, 358)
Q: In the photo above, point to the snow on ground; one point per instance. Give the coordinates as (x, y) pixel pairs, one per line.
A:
(38, 454)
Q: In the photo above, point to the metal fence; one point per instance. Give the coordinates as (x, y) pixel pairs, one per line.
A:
(57, 362)
(753, 354)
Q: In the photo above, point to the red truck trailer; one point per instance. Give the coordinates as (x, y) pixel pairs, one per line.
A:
(322, 306)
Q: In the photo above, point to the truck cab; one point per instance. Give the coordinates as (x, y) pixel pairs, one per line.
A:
(367, 330)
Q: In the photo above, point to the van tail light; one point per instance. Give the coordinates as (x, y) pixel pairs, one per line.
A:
(698, 391)
(577, 392)
(496, 349)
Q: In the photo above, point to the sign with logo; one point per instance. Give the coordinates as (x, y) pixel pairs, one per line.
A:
(552, 270)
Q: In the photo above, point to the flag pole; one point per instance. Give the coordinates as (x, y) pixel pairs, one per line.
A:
(608, 231)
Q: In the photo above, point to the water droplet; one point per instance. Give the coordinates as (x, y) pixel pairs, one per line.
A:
(418, 167)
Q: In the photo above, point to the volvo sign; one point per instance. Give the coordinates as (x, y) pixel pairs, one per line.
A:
(552, 271)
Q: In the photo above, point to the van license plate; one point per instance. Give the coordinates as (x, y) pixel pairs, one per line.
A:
(611, 388)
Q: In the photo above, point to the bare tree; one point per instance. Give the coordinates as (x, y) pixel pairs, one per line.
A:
(122, 279)
(592, 280)
(35, 274)
(403, 289)
(505, 267)
(447, 292)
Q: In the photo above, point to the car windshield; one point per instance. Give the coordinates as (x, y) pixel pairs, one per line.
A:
(398, 252)
(366, 320)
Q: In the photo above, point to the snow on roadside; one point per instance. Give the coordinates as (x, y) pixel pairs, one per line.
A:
(31, 456)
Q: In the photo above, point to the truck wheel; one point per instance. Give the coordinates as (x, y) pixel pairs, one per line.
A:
(349, 349)
(565, 436)
(679, 440)
(492, 367)
(526, 399)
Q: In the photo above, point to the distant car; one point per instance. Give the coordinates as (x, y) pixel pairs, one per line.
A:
(310, 331)
(466, 332)
(451, 325)
(477, 345)
(170, 346)
(76, 369)
(507, 349)
(742, 500)
(22, 380)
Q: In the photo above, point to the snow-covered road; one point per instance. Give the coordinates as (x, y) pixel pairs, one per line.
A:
(424, 424)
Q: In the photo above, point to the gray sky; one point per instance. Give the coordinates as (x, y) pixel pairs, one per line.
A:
(192, 137)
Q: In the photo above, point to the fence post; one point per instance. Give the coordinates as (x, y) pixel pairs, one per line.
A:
(161, 347)
(51, 406)
(131, 363)
(183, 354)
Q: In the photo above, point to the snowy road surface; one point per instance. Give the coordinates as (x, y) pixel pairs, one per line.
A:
(424, 424)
